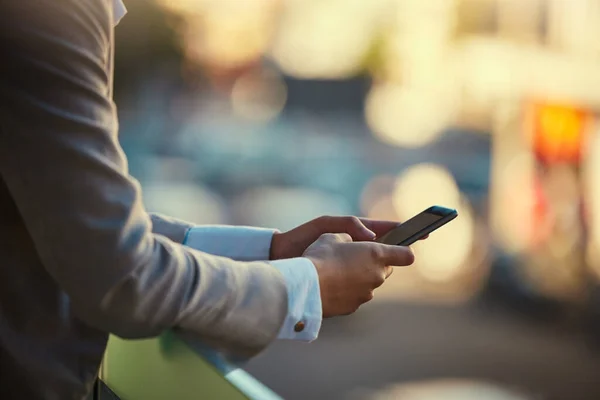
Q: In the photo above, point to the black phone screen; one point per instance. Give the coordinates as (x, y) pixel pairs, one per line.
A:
(414, 225)
(421, 224)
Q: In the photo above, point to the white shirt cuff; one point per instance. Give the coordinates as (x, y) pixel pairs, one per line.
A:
(305, 311)
(239, 243)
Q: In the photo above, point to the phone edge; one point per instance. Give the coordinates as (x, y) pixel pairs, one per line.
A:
(412, 239)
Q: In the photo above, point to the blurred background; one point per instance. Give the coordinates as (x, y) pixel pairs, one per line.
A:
(273, 112)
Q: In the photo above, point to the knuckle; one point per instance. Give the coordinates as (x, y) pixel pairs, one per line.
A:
(324, 219)
(341, 237)
(344, 237)
(352, 220)
(328, 238)
(376, 252)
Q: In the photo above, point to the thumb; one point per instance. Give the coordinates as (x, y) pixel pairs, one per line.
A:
(357, 229)
(395, 255)
(350, 225)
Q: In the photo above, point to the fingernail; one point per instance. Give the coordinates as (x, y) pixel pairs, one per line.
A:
(372, 234)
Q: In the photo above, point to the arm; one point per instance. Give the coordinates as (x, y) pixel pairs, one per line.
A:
(173, 228)
(303, 320)
(248, 243)
(61, 161)
(242, 243)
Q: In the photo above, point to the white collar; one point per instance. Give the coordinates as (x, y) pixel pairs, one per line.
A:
(119, 11)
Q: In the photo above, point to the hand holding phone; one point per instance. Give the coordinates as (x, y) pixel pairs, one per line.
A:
(419, 226)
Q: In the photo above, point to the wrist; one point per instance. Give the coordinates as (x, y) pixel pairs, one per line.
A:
(274, 253)
(321, 275)
(316, 262)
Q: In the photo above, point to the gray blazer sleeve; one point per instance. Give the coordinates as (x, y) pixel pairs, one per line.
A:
(173, 228)
(63, 166)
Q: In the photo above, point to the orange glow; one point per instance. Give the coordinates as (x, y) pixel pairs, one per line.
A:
(558, 133)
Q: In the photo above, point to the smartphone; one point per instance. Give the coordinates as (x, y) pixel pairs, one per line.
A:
(419, 226)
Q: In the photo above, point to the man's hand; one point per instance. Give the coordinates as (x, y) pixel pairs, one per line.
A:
(349, 272)
(293, 243)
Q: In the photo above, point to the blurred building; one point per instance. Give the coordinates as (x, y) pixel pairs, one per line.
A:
(271, 112)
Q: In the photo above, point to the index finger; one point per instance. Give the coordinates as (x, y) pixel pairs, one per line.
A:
(382, 227)
(379, 227)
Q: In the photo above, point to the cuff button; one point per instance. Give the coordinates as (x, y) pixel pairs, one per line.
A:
(299, 327)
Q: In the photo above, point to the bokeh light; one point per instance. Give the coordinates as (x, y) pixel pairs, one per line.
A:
(424, 185)
(376, 201)
(442, 256)
(383, 209)
(517, 199)
(325, 39)
(418, 42)
(225, 34)
(447, 389)
(425, 76)
(185, 201)
(408, 117)
(185, 7)
(559, 132)
(286, 208)
(259, 95)
(591, 176)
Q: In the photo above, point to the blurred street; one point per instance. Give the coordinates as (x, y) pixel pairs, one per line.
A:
(386, 343)
(273, 112)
